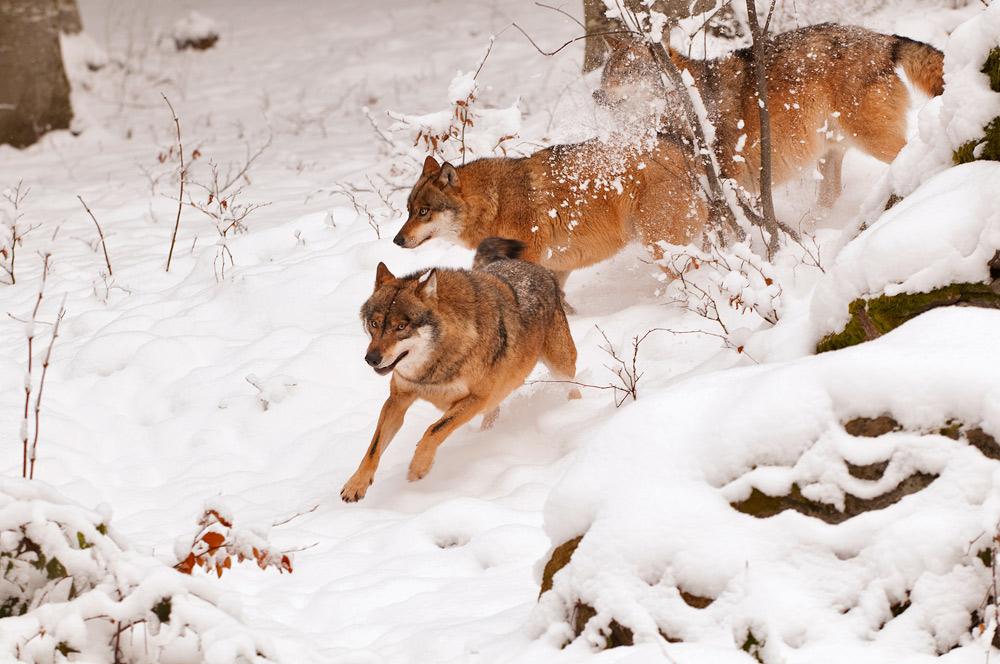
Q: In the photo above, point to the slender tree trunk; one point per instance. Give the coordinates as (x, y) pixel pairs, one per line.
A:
(760, 73)
(69, 17)
(34, 90)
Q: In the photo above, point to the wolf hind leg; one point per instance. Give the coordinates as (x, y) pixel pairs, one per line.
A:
(876, 120)
(830, 167)
(558, 350)
(489, 419)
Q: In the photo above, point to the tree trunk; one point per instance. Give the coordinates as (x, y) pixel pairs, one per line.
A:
(597, 24)
(34, 90)
(69, 17)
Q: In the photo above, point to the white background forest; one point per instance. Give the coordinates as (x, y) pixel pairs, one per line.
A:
(234, 384)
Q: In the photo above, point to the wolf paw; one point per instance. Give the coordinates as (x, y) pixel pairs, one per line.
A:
(418, 469)
(355, 489)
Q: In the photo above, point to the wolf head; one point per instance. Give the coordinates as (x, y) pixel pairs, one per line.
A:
(434, 206)
(631, 79)
(399, 320)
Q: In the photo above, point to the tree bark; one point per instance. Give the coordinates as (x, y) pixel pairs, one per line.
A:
(34, 90)
(760, 45)
(69, 17)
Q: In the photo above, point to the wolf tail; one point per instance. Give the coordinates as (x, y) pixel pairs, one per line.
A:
(922, 64)
(494, 249)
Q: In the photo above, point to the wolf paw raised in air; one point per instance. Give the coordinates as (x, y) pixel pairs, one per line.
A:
(356, 488)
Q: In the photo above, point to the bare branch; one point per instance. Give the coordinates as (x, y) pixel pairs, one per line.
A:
(180, 195)
(99, 232)
(41, 386)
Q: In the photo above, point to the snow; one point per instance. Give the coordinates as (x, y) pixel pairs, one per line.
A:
(173, 394)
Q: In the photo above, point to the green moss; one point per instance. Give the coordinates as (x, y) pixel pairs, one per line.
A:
(873, 318)
(987, 147)
(752, 646)
(162, 610)
(992, 68)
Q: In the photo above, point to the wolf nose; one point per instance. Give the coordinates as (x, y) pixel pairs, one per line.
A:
(373, 358)
(399, 240)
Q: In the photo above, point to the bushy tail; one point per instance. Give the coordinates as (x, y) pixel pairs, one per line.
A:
(922, 64)
(494, 249)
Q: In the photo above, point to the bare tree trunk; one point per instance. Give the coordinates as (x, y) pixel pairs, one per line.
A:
(598, 24)
(34, 90)
(760, 73)
(69, 17)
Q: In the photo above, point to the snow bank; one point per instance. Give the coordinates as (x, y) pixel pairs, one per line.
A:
(70, 586)
(652, 495)
(945, 232)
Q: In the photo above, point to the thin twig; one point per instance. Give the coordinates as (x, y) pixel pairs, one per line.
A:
(180, 196)
(563, 12)
(41, 385)
(27, 379)
(99, 232)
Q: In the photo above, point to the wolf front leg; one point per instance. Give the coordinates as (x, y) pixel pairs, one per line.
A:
(460, 412)
(389, 422)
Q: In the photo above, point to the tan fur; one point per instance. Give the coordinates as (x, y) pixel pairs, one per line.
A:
(830, 88)
(462, 340)
(571, 205)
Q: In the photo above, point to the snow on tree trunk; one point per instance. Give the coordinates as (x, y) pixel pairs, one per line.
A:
(34, 90)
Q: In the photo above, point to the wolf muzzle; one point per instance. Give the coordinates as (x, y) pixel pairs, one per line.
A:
(374, 359)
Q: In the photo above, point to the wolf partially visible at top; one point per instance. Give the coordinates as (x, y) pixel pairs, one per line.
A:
(830, 87)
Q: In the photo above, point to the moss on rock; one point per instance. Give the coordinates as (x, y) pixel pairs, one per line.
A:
(987, 147)
(874, 317)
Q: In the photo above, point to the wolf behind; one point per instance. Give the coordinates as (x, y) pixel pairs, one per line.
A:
(830, 87)
(461, 339)
(570, 205)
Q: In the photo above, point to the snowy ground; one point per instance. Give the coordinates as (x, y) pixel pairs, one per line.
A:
(148, 407)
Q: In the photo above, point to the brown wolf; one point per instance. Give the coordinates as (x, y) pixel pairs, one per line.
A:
(461, 339)
(571, 205)
(830, 87)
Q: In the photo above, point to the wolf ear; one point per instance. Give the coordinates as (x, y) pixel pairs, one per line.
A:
(448, 176)
(615, 43)
(430, 165)
(382, 275)
(427, 285)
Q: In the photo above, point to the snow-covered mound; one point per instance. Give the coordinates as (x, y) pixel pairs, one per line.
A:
(945, 232)
(666, 553)
(72, 587)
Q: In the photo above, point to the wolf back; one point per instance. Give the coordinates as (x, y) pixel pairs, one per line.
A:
(571, 205)
(830, 88)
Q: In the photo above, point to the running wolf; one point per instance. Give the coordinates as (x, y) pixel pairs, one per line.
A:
(830, 87)
(461, 339)
(571, 205)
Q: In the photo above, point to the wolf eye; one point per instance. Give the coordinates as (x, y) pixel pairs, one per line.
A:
(401, 326)
(423, 212)
(374, 323)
